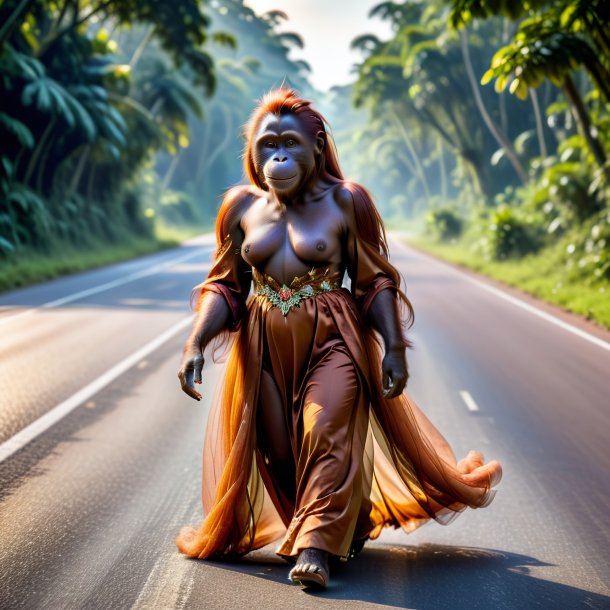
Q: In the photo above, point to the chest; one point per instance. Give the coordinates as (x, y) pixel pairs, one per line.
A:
(312, 235)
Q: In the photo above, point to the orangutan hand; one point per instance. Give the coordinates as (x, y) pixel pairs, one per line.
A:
(190, 370)
(395, 372)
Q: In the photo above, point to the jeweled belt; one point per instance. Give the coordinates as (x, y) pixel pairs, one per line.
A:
(316, 281)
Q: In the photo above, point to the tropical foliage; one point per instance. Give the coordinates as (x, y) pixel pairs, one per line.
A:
(496, 116)
(486, 119)
(113, 114)
(206, 168)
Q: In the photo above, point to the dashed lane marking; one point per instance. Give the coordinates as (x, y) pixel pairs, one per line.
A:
(471, 405)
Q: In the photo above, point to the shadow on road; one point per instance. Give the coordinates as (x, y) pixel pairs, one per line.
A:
(435, 576)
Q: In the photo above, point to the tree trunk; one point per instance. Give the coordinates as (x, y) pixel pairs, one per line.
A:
(409, 144)
(41, 169)
(503, 114)
(502, 94)
(38, 150)
(500, 138)
(427, 117)
(156, 107)
(539, 125)
(56, 25)
(9, 25)
(583, 122)
(91, 182)
(137, 54)
(49, 40)
(205, 146)
(169, 173)
(599, 26)
(600, 76)
(400, 154)
(482, 181)
(78, 172)
(228, 135)
(442, 168)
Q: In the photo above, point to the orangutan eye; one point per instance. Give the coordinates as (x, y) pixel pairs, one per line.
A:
(290, 143)
(269, 144)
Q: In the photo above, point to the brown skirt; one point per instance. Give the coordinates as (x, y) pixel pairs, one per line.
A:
(362, 461)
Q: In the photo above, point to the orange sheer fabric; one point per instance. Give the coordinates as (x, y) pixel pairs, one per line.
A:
(362, 461)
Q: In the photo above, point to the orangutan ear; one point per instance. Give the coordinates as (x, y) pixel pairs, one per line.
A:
(319, 145)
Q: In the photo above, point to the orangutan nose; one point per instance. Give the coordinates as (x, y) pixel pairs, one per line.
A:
(279, 159)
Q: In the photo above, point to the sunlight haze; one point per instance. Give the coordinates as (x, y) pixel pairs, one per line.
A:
(327, 29)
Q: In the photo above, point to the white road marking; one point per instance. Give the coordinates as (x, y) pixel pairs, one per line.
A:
(471, 405)
(511, 299)
(103, 287)
(44, 422)
(168, 585)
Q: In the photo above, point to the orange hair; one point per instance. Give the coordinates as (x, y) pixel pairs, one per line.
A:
(370, 226)
(284, 101)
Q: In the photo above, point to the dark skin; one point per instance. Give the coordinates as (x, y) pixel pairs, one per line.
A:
(301, 221)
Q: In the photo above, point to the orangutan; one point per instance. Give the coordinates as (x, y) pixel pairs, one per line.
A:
(312, 439)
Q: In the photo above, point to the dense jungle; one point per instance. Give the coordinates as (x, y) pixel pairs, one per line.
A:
(481, 127)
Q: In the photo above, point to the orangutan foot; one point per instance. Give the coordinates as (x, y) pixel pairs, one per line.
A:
(289, 559)
(311, 569)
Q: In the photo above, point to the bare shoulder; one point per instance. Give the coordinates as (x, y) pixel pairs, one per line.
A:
(240, 196)
(235, 203)
(350, 196)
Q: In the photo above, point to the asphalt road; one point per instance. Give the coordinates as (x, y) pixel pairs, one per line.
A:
(90, 506)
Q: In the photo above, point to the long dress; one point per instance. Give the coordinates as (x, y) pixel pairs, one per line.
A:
(361, 461)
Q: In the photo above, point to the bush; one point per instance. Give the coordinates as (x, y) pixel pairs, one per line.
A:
(444, 223)
(510, 234)
(178, 208)
(588, 251)
(567, 187)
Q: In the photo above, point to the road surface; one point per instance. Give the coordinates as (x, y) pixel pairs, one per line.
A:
(101, 451)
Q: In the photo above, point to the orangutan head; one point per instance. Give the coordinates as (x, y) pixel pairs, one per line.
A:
(287, 144)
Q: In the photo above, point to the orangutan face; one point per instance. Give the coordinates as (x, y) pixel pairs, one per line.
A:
(285, 154)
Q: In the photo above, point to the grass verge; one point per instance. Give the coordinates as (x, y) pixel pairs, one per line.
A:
(542, 275)
(31, 267)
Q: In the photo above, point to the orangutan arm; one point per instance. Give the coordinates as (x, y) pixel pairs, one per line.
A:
(221, 298)
(383, 316)
(374, 283)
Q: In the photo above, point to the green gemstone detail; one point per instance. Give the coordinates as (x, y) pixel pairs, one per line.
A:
(295, 296)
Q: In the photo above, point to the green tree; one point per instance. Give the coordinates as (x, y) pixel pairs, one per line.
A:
(424, 70)
(551, 44)
(74, 133)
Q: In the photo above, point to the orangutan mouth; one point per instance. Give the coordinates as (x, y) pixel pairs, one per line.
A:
(280, 179)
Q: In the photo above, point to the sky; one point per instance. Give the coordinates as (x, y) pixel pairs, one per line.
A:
(327, 27)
